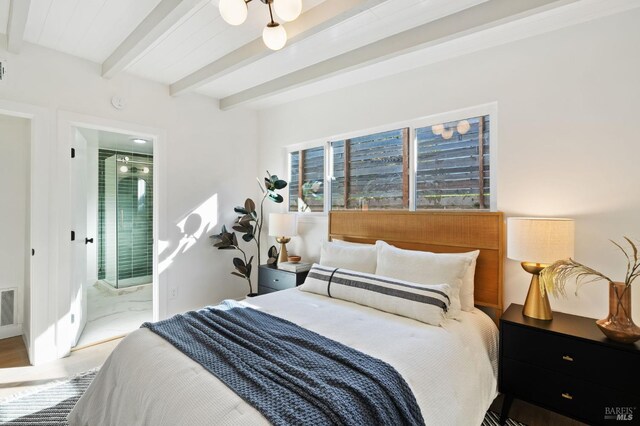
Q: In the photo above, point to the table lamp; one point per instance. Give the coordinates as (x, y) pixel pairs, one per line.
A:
(536, 243)
(283, 226)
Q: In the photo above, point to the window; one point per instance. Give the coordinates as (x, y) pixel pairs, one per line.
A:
(371, 171)
(306, 166)
(423, 164)
(453, 165)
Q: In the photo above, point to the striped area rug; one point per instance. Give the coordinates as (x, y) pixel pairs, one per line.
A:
(49, 406)
(493, 419)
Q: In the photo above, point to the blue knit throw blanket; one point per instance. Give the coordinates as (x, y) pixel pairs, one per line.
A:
(291, 375)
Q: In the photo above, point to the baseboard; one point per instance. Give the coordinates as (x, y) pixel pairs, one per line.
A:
(10, 331)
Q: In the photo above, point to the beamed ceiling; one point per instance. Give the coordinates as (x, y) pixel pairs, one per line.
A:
(334, 43)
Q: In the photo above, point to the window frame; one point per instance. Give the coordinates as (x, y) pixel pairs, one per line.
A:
(405, 148)
(301, 147)
(489, 109)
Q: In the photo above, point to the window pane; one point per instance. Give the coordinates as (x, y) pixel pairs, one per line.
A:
(294, 160)
(371, 172)
(453, 165)
(307, 166)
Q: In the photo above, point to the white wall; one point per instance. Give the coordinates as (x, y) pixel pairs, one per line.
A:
(209, 155)
(25, 308)
(568, 145)
(14, 195)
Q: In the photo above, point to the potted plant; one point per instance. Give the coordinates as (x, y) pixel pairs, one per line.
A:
(249, 224)
(618, 325)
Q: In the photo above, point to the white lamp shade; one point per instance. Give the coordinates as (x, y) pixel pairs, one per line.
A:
(274, 37)
(283, 225)
(234, 12)
(540, 240)
(288, 10)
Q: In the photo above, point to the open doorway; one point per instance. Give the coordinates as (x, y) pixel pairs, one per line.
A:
(15, 244)
(112, 187)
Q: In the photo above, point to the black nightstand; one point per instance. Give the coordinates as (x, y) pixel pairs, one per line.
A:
(271, 279)
(568, 366)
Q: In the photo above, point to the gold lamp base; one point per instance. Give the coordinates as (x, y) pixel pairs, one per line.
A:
(536, 305)
(283, 256)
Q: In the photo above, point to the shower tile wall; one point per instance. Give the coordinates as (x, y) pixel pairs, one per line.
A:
(108, 239)
(125, 215)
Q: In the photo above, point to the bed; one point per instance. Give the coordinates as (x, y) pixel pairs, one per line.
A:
(451, 370)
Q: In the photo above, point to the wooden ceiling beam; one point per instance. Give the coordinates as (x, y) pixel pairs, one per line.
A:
(475, 19)
(321, 17)
(164, 16)
(18, 13)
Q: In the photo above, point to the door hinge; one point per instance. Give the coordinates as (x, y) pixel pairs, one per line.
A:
(73, 153)
(73, 235)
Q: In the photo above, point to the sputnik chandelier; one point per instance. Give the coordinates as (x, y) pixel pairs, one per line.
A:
(446, 130)
(235, 12)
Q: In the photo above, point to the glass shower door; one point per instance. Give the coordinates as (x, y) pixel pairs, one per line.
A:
(135, 228)
(126, 219)
(108, 226)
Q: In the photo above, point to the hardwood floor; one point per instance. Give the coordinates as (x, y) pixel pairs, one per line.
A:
(13, 353)
(16, 375)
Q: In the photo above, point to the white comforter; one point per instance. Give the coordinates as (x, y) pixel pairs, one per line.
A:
(451, 369)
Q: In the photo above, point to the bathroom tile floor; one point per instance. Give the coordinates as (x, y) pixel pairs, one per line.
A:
(112, 313)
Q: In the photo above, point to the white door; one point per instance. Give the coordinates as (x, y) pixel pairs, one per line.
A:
(79, 238)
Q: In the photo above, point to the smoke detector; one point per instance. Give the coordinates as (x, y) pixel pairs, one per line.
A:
(118, 102)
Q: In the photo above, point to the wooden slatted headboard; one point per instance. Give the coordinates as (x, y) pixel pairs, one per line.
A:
(435, 231)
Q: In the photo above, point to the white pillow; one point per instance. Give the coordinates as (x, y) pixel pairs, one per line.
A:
(467, 287)
(424, 268)
(425, 303)
(361, 258)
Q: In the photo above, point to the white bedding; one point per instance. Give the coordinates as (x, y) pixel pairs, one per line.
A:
(452, 369)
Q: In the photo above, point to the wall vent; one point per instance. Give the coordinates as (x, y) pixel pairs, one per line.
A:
(8, 301)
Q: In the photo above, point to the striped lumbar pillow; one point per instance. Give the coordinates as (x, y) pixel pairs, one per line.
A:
(425, 303)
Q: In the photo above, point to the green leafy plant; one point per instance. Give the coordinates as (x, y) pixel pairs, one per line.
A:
(554, 278)
(249, 224)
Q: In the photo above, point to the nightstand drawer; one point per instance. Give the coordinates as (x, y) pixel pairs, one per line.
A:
(566, 394)
(572, 356)
(276, 279)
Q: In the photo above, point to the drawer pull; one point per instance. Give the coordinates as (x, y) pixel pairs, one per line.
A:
(567, 358)
(275, 280)
(566, 395)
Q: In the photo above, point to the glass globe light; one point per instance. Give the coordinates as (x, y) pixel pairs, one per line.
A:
(274, 36)
(234, 12)
(288, 10)
(447, 133)
(463, 127)
(437, 129)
